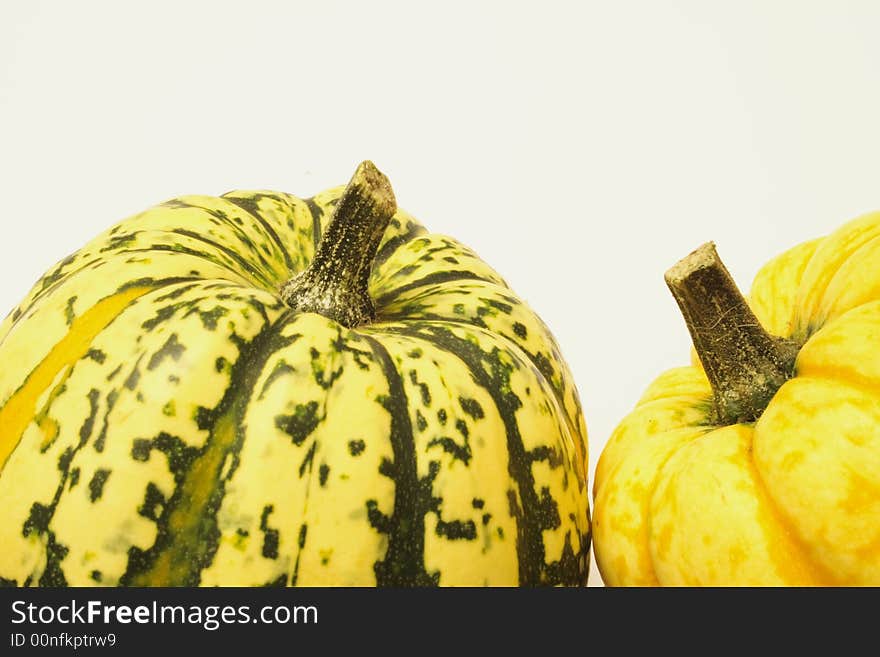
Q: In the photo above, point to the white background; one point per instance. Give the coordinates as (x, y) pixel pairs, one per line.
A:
(581, 148)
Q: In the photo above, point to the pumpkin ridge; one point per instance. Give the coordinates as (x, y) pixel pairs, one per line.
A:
(392, 245)
(833, 375)
(701, 403)
(187, 534)
(41, 515)
(820, 571)
(868, 244)
(433, 278)
(258, 246)
(55, 274)
(21, 311)
(691, 470)
(533, 515)
(428, 320)
(245, 264)
(803, 325)
(24, 310)
(18, 410)
(646, 502)
(245, 276)
(404, 562)
(775, 286)
(648, 408)
(326, 385)
(249, 205)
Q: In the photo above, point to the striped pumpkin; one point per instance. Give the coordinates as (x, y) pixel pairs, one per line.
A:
(255, 389)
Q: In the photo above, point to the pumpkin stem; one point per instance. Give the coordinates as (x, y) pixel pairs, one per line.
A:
(744, 363)
(335, 283)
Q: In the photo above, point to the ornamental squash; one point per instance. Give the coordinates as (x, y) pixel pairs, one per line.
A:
(255, 389)
(760, 463)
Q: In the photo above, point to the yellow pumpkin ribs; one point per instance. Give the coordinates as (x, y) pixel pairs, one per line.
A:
(19, 409)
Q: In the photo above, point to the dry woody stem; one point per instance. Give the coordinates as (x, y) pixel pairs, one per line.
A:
(335, 283)
(744, 363)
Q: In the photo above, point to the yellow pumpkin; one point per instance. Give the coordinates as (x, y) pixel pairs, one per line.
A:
(760, 463)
